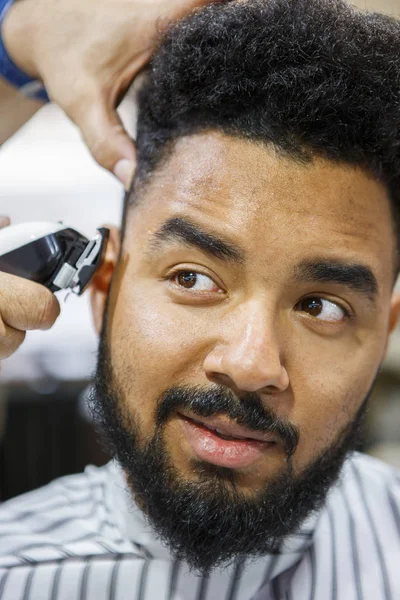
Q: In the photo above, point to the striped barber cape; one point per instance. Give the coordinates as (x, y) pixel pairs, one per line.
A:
(82, 538)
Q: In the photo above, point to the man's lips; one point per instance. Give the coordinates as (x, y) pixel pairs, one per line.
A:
(225, 443)
(221, 425)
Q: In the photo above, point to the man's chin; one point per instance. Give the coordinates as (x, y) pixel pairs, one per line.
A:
(198, 517)
(233, 480)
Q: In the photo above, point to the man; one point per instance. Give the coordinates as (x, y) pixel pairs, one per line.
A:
(243, 312)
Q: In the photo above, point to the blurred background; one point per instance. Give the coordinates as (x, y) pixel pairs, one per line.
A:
(47, 174)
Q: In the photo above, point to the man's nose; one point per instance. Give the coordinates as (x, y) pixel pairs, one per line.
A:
(247, 356)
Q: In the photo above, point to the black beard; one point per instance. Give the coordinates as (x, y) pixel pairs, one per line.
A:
(209, 522)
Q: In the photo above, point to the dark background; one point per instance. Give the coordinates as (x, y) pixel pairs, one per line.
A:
(44, 436)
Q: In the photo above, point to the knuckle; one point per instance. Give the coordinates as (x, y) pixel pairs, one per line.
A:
(15, 301)
(15, 339)
(103, 151)
(48, 309)
(10, 340)
(80, 102)
(3, 329)
(99, 147)
(25, 305)
(99, 128)
(3, 298)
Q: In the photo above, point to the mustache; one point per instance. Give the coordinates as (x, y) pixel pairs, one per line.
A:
(247, 410)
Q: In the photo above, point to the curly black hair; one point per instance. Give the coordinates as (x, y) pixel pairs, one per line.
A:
(308, 76)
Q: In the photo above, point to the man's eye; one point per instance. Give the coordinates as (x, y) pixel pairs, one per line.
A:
(322, 309)
(192, 280)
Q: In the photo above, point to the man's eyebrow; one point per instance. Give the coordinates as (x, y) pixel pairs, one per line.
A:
(356, 277)
(189, 233)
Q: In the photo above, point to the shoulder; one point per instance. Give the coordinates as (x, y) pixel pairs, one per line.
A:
(68, 517)
(355, 551)
(370, 476)
(65, 493)
(368, 492)
(361, 523)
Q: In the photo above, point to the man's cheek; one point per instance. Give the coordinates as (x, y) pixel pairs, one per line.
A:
(320, 408)
(330, 406)
(151, 350)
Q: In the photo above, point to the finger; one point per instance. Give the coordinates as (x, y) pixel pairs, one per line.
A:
(10, 340)
(106, 138)
(198, 3)
(26, 305)
(180, 8)
(124, 171)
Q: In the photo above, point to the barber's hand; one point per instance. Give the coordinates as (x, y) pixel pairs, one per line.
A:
(24, 305)
(87, 52)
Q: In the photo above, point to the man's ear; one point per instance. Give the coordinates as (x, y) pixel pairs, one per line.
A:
(394, 311)
(101, 280)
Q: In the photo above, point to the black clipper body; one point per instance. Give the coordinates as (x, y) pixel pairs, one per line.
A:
(56, 256)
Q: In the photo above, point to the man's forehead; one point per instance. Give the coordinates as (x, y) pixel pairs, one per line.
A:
(205, 164)
(212, 169)
(254, 193)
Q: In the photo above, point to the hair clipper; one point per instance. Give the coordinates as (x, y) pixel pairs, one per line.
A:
(56, 256)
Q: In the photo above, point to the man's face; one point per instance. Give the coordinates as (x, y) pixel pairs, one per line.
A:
(259, 288)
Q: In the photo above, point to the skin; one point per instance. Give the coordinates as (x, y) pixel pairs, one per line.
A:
(246, 329)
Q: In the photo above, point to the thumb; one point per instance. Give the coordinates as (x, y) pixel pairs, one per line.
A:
(106, 138)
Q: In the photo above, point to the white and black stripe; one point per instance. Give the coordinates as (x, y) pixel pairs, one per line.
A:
(81, 538)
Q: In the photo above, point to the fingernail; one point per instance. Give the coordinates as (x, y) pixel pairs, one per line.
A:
(4, 221)
(123, 170)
